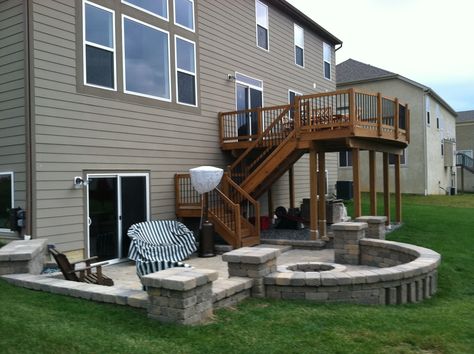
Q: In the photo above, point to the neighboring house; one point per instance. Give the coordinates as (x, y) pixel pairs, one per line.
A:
(124, 94)
(465, 148)
(428, 164)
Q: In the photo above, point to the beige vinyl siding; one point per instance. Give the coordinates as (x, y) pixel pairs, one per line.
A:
(79, 133)
(12, 97)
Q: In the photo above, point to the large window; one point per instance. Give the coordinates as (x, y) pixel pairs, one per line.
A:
(262, 24)
(146, 60)
(184, 13)
(156, 8)
(185, 71)
(345, 158)
(299, 45)
(327, 60)
(6, 198)
(99, 46)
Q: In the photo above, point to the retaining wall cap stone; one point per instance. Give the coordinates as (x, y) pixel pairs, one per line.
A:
(179, 278)
(371, 219)
(251, 255)
(22, 250)
(349, 226)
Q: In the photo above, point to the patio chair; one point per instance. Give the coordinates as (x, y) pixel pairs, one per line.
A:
(84, 274)
(160, 244)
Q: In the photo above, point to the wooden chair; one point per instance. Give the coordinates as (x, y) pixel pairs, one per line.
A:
(84, 274)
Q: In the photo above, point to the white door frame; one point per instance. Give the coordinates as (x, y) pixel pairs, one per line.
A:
(119, 206)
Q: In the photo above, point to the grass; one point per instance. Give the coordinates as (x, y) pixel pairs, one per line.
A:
(36, 322)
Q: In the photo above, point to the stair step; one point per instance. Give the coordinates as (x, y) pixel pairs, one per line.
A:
(250, 241)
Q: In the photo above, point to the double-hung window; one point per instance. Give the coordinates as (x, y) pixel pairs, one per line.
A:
(6, 198)
(157, 8)
(299, 45)
(327, 60)
(99, 46)
(184, 14)
(146, 60)
(261, 11)
(185, 71)
(345, 158)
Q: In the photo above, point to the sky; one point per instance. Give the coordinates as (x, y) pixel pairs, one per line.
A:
(428, 41)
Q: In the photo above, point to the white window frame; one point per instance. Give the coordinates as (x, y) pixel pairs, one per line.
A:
(194, 17)
(149, 12)
(124, 63)
(257, 24)
(12, 202)
(405, 152)
(295, 92)
(327, 47)
(176, 37)
(296, 45)
(85, 43)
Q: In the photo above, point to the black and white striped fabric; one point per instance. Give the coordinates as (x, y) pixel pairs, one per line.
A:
(160, 244)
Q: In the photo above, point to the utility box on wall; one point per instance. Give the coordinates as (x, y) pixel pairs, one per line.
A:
(448, 153)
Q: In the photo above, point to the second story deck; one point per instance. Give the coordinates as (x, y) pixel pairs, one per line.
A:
(330, 118)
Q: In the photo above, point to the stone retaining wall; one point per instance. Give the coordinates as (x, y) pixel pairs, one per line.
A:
(385, 254)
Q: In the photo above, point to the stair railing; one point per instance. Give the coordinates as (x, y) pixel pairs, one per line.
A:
(465, 161)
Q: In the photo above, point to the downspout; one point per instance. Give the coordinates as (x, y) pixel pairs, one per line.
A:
(28, 121)
(336, 49)
(425, 141)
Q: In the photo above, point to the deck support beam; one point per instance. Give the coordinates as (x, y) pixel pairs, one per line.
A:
(372, 181)
(386, 188)
(313, 180)
(356, 181)
(398, 193)
(291, 186)
(322, 194)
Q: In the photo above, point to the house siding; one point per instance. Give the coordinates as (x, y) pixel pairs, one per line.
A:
(78, 132)
(465, 141)
(12, 98)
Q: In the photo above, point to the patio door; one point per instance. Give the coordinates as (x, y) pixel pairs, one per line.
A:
(115, 202)
(249, 95)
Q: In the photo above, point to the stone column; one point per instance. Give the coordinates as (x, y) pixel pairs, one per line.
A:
(346, 241)
(180, 295)
(376, 227)
(252, 262)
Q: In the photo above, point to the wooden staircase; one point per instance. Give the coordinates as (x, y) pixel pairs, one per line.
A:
(284, 133)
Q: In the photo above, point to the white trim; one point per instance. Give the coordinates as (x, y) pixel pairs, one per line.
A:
(295, 92)
(85, 43)
(179, 25)
(119, 207)
(250, 86)
(246, 83)
(124, 62)
(185, 71)
(257, 24)
(12, 189)
(296, 45)
(148, 11)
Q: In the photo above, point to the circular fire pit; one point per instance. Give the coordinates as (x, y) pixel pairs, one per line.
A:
(311, 267)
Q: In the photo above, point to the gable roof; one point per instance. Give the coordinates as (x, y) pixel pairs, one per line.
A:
(289, 9)
(352, 72)
(465, 116)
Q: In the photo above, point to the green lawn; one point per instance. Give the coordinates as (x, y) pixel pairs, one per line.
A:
(36, 322)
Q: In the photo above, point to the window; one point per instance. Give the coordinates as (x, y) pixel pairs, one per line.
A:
(327, 60)
(466, 152)
(99, 46)
(6, 199)
(262, 24)
(185, 71)
(437, 123)
(391, 158)
(156, 8)
(184, 14)
(345, 158)
(248, 95)
(428, 118)
(146, 60)
(299, 45)
(442, 149)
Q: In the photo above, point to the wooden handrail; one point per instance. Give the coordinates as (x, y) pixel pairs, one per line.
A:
(256, 142)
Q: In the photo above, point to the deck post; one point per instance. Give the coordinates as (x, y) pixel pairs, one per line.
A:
(379, 113)
(352, 109)
(398, 194)
(386, 188)
(397, 118)
(291, 186)
(373, 186)
(297, 116)
(407, 123)
(313, 225)
(322, 194)
(259, 121)
(356, 181)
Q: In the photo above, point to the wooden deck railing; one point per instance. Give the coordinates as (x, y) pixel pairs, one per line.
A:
(361, 114)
